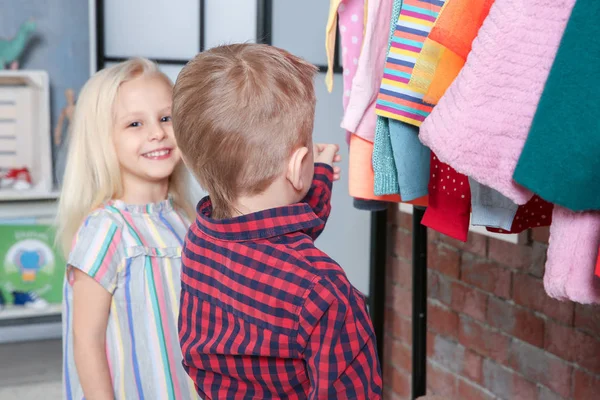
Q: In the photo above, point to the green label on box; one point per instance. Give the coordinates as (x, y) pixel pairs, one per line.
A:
(30, 262)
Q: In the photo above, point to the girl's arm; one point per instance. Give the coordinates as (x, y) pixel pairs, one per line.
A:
(91, 305)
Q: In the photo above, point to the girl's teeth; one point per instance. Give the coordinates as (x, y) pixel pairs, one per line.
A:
(157, 153)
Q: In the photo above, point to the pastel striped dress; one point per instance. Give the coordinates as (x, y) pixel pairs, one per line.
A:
(396, 99)
(134, 252)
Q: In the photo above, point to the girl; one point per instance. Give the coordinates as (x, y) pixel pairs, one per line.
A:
(122, 219)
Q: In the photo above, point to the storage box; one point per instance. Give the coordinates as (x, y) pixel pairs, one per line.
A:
(25, 131)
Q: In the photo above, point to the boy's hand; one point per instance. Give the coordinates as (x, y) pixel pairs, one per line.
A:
(328, 154)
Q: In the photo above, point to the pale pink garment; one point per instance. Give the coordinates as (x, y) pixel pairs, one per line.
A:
(572, 255)
(351, 15)
(480, 125)
(365, 85)
(351, 20)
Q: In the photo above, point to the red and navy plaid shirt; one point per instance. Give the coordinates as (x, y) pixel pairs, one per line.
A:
(266, 315)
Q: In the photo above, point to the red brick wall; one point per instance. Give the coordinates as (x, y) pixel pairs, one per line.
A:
(492, 330)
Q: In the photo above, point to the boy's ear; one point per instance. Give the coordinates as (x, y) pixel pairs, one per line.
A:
(294, 170)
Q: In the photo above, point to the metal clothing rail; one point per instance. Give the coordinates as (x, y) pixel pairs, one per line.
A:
(419, 305)
(377, 291)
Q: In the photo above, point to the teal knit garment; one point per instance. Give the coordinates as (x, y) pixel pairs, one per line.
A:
(384, 167)
(561, 158)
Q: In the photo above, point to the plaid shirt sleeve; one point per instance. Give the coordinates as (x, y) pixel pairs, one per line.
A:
(319, 197)
(340, 348)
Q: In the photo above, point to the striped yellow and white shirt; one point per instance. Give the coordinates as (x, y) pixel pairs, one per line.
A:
(134, 252)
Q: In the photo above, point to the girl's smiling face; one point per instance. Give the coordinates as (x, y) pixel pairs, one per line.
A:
(143, 132)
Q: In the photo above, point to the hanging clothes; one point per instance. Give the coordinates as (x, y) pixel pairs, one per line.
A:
(598, 264)
(360, 173)
(446, 49)
(423, 73)
(411, 158)
(358, 117)
(449, 201)
(413, 170)
(572, 254)
(405, 168)
(480, 124)
(447, 69)
(536, 213)
(330, 36)
(384, 167)
(351, 14)
(561, 157)
(459, 23)
(396, 100)
(491, 208)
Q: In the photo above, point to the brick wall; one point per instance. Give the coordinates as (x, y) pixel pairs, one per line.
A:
(492, 330)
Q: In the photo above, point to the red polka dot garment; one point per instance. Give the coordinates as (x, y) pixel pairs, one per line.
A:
(536, 213)
(449, 201)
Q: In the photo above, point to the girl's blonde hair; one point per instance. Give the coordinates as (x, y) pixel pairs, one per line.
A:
(92, 173)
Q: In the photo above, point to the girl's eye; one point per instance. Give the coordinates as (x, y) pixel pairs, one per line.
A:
(166, 119)
(135, 124)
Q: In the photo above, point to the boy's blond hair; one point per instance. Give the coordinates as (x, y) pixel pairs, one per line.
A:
(239, 111)
(93, 175)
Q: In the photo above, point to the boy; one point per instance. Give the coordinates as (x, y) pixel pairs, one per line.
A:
(264, 314)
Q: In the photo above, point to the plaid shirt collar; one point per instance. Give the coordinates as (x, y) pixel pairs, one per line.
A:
(264, 224)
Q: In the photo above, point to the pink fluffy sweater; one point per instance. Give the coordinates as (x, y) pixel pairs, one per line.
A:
(572, 254)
